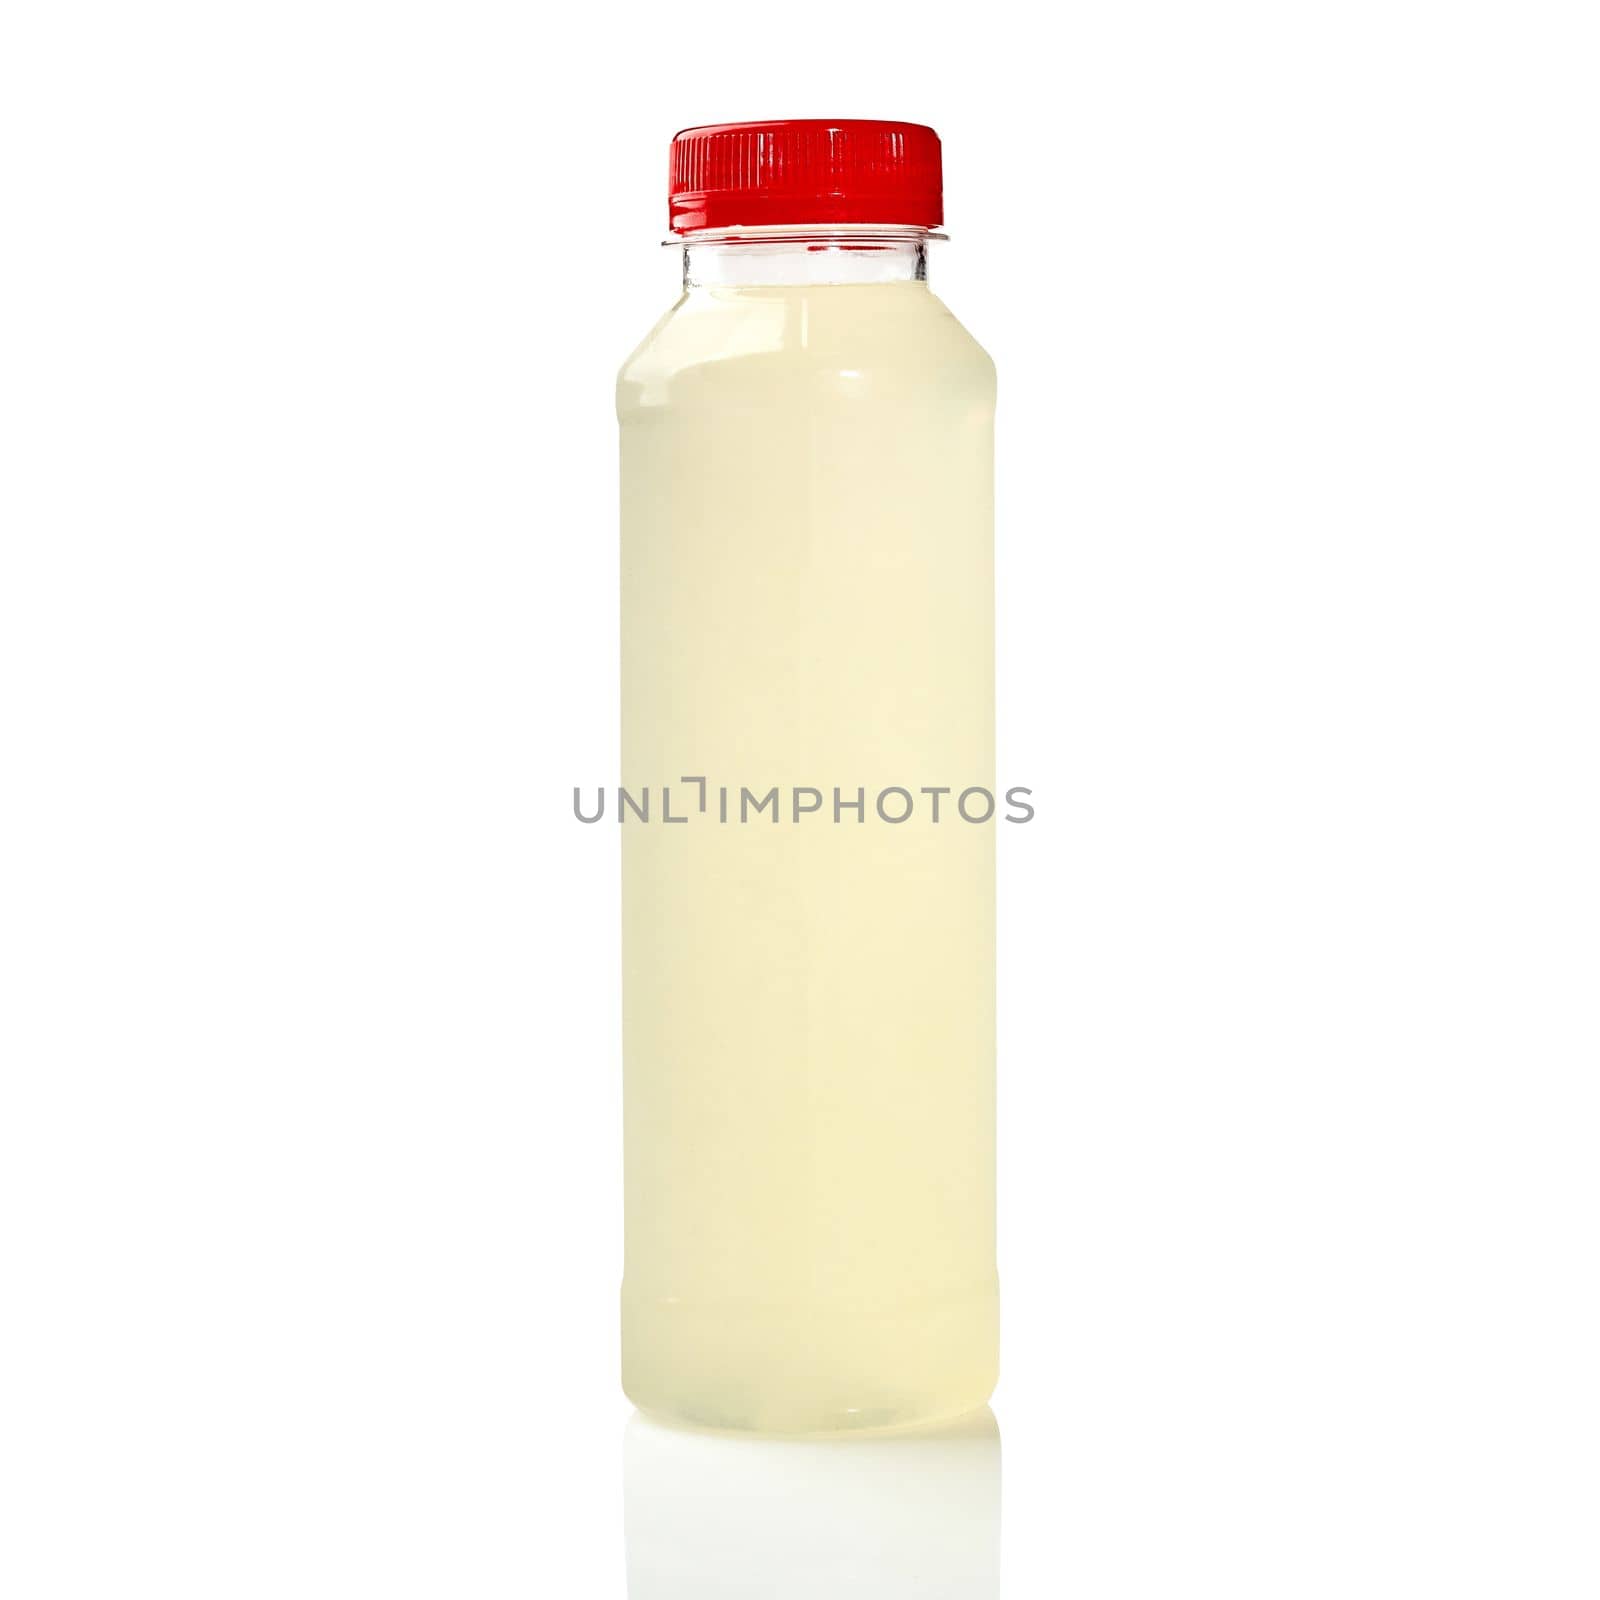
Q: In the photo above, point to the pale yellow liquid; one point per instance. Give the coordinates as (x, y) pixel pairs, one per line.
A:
(808, 1026)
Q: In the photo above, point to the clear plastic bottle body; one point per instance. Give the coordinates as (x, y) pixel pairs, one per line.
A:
(808, 1032)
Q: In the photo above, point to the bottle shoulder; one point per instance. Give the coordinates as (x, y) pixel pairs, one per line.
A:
(711, 339)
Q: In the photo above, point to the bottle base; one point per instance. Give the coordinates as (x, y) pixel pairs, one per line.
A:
(812, 1372)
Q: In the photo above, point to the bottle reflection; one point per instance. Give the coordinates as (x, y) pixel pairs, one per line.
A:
(711, 1517)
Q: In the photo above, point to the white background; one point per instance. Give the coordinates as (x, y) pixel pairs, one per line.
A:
(309, 1079)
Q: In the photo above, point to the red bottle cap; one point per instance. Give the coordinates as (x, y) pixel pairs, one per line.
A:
(773, 174)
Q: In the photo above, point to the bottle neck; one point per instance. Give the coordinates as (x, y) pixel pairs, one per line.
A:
(761, 257)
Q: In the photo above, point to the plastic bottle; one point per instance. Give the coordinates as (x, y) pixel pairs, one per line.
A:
(808, 980)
